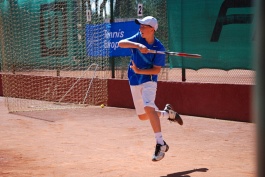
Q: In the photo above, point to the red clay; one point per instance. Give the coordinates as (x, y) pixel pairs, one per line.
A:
(112, 142)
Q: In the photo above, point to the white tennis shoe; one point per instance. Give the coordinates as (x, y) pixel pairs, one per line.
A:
(173, 115)
(160, 152)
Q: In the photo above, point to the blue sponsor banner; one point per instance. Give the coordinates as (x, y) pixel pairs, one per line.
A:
(118, 31)
(97, 45)
(95, 39)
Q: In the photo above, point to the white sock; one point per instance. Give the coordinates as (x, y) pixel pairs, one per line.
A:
(164, 114)
(159, 138)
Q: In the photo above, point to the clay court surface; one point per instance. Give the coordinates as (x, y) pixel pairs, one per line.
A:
(112, 142)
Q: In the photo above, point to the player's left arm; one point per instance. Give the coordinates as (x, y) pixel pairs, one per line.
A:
(152, 71)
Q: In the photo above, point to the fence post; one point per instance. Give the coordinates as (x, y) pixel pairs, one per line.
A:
(112, 59)
(260, 86)
(183, 70)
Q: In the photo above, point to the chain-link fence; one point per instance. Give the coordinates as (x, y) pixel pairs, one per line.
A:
(128, 10)
(53, 52)
(123, 10)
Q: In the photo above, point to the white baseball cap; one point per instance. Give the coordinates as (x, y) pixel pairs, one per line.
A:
(149, 20)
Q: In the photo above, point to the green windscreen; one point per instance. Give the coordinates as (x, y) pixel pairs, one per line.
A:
(220, 30)
(41, 34)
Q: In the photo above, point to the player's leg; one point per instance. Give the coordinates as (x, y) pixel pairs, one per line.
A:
(144, 111)
(153, 118)
(167, 113)
(148, 95)
(161, 146)
(136, 92)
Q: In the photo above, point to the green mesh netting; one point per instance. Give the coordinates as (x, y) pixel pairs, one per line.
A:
(219, 30)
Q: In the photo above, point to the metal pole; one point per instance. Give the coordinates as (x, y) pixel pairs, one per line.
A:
(260, 86)
(112, 58)
(183, 70)
(111, 12)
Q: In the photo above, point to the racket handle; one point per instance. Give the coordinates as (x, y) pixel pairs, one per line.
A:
(155, 51)
(151, 51)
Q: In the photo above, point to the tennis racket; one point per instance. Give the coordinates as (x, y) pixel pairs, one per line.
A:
(179, 54)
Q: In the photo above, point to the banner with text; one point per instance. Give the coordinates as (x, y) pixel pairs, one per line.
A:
(113, 33)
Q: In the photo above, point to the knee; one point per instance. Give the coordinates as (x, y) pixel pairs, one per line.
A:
(149, 110)
(143, 117)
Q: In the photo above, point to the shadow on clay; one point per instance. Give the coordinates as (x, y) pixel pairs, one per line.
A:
(185, 173)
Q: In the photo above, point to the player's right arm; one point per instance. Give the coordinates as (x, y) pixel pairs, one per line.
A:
(124, 43)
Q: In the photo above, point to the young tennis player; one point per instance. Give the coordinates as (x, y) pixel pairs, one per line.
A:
(142, 74)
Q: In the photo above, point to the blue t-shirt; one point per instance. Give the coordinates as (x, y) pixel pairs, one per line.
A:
(145, 61)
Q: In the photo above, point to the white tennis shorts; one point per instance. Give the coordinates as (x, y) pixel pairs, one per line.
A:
(144, 95)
